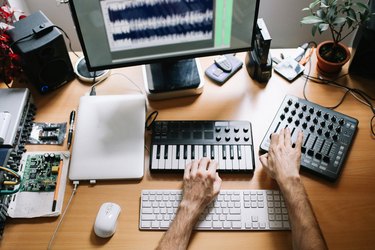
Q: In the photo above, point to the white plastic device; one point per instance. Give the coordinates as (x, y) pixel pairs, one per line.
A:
(106, 219)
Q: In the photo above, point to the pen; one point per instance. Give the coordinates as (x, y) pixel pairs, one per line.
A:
(57, 186)
(71, 122)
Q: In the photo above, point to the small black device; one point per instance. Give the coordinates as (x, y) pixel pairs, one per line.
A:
(44, 56)
(327, 135)
(258, 60)
(176, 143)
(223, 68)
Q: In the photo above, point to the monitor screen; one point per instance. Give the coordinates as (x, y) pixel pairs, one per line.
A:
(117, 33)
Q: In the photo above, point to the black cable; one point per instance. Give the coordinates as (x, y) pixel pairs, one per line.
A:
(360, 94)
(67, 37)
(20, 39)
(93, 91)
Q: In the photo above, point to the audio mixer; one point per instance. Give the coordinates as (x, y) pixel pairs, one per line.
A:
(327, 135)
(176, 143)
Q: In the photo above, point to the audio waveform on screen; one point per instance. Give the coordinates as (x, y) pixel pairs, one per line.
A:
(139, 23)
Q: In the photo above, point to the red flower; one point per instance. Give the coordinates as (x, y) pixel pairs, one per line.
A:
(9, 61)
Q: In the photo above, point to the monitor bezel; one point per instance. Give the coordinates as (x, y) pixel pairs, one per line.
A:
(156, 60)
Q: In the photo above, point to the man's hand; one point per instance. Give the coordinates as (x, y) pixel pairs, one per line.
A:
(282, 163)
(201, 184)
(282, 160)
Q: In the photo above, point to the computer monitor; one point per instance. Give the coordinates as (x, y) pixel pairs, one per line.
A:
(162, 34)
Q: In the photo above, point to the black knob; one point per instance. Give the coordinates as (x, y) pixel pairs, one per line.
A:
(236, 130)
(311, 110)
(304, 125)
(296, 105)
(320, 131)
(290, 119)
(286, 109)
(323, 124)
(218, 138)
(217, 129)
(326, 116)
(300, 115)
(304, 107)
(315, 120)
(290, 102)
(341, 122)
(227, 138)
(282, 116)
(338, 129)
(330, 126)
(335, 137)
(333, 118)
(245, 130)
(312, 128)
(227, 129)
(327, 134)
(296, 122)
(236, 138)
(308, 118)
(319, 113)
(246, 138)
(293, 112)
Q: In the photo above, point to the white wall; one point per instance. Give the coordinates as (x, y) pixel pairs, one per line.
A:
(282, 18)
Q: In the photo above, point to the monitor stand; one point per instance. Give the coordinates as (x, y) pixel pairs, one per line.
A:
(83, 73)
(172, 79)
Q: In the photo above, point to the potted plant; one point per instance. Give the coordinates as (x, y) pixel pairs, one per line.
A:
(341, 18)
(9, 61)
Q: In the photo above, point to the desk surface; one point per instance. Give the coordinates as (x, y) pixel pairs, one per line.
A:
(344, 209)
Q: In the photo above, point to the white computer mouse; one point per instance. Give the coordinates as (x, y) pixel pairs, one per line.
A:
(106, 219)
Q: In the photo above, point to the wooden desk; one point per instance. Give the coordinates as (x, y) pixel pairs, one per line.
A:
(345, 209)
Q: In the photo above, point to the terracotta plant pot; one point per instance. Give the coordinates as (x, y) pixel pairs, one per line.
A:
(331, 67)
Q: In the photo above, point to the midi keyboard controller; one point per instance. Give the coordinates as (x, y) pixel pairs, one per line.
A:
(176, 143)
(327, 135)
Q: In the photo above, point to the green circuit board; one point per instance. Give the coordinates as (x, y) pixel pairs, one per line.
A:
(40, 173)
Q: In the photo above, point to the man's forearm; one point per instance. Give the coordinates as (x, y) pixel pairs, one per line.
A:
(178, 234)
(306, 232)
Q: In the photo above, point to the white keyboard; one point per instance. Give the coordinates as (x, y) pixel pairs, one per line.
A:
(231, 210)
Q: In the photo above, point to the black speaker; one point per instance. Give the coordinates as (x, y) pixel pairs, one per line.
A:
(363, 59)
(42, 50)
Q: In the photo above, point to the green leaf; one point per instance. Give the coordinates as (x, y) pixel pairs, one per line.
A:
(313, 4)
(321, 14)
(339, 21)
(323, 27)
(314, 29)
(362, 6)
(350, 22)
(331, 15)
(311, 20)
(352, 15)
